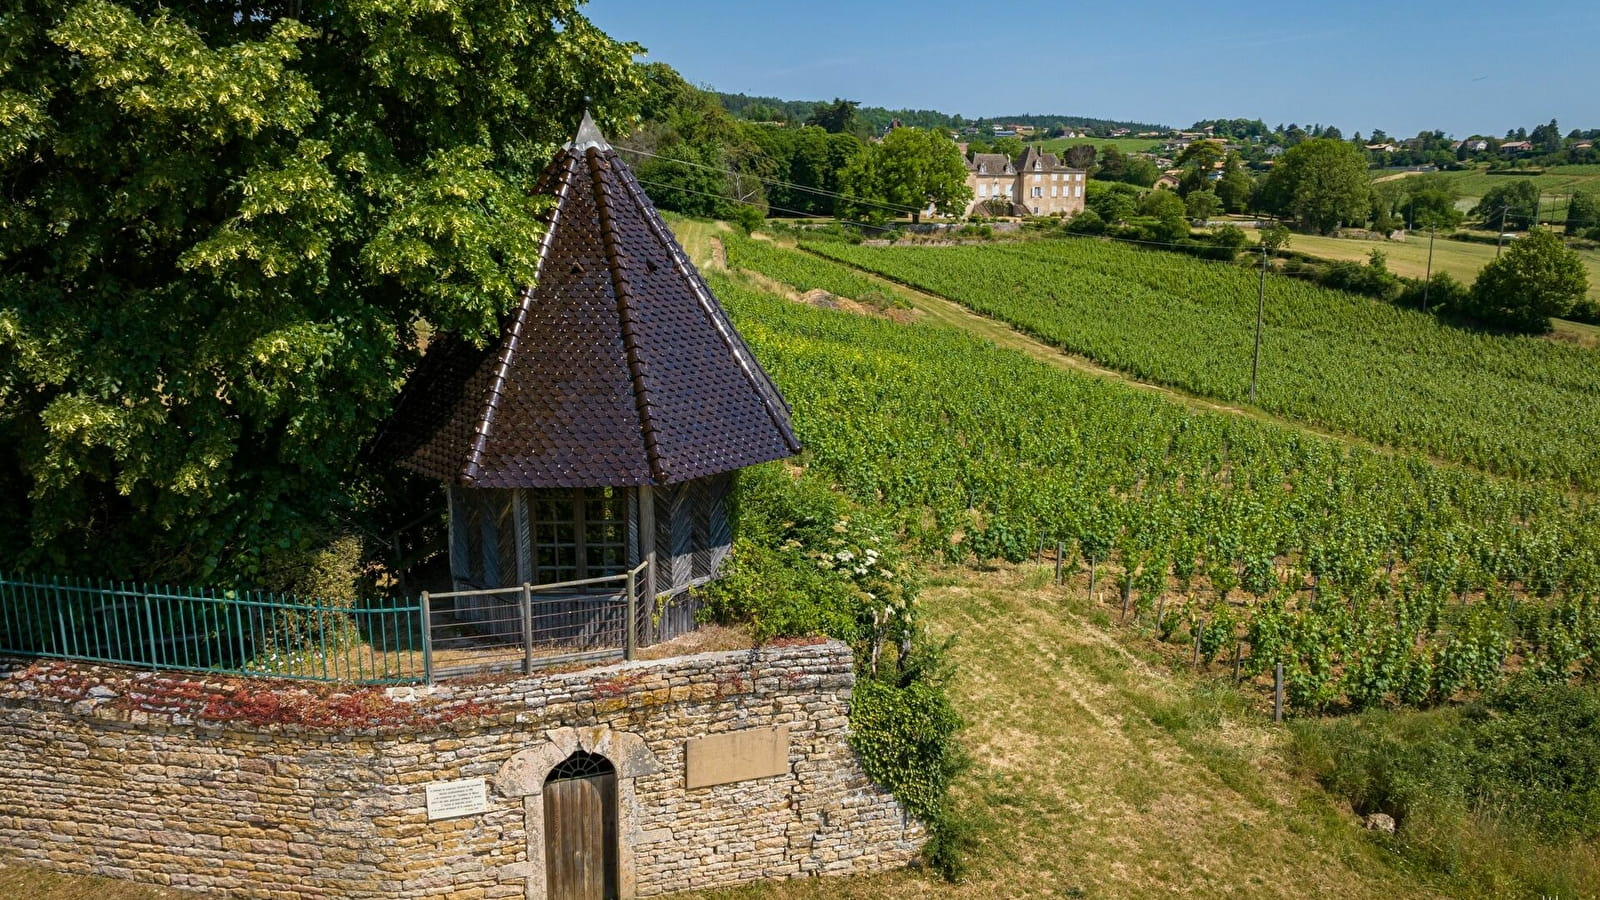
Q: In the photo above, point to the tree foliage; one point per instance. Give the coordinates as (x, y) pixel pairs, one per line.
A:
(1140, 172)
(1276, 237)
(838, 117)
(912, 169)
(1170, 215)
(1202, 205)
(806, 166)
(1080, 157)
(219, 228)
(1235, 186)
(691, 156)
(1536, 278)
(1203, 155)
(1430, 202)
(1113, 164)
(1113, 202)
(1583, 212)
(1513, 204)
(1320, 182)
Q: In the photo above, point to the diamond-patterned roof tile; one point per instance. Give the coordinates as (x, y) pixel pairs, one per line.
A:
(617, 368)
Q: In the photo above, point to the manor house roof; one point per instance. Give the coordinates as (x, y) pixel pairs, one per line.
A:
(990, 164)
(617, 368)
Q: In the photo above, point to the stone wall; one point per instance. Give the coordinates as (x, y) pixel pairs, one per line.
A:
(270, 789)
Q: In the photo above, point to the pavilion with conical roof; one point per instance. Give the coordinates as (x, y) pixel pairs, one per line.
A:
(604, 427)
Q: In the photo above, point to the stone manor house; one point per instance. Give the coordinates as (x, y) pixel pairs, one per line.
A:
(1034, 184)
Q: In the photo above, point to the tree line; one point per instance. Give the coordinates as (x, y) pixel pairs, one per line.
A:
(694, 157)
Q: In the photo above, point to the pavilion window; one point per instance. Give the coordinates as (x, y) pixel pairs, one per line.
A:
(579, 533)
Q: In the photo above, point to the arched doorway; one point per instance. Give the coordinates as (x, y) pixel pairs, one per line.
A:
(580, 829)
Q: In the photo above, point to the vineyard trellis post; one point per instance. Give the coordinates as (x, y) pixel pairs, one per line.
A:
(1060, 551)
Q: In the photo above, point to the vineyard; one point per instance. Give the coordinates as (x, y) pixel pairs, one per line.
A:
(1374, 579)
(802, 272)
(1516, 406)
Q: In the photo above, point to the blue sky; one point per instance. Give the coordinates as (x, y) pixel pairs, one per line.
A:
(1464, 67)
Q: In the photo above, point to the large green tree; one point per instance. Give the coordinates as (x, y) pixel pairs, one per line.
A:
(1430, 202)
(912, 169)
(1511, 204)
(1322, 183)
(1080, 156)
(1140, 172)
(691, 155)
(1168, 213)
(1201, 155)
(1113, 164)
(1235, 186)
(1113, 202)
(220, 227)
(1583, 212)
(838, 117)
(807, 162)
(1536, 278)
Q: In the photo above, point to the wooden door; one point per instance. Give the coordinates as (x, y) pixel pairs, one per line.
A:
(580, 837)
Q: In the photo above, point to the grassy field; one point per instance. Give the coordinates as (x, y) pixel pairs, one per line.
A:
(1097, 774)
(1410, 257)
(1555, 183)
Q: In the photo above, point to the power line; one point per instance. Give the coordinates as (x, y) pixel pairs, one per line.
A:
(772, 181)
(798, 212)
(894, 207)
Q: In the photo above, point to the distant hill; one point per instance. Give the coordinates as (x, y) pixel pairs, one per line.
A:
(880, 117)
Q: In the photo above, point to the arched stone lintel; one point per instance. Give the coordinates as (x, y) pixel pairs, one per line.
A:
(524, 773)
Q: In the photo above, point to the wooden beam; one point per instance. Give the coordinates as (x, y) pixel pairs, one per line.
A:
(647, 547)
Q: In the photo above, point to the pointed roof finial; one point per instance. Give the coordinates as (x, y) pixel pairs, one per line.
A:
(588, 135)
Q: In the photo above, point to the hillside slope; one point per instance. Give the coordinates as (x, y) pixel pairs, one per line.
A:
(1097, 775)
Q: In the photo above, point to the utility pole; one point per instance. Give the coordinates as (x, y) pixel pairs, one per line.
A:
(1427, 281)
(1261, 306)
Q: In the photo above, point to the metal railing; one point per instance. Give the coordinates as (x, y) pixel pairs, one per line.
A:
(379, 641)
(531, 626)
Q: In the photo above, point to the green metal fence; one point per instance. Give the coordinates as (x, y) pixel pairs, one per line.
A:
(238, 632)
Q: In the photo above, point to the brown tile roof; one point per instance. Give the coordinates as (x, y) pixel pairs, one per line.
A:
(617, 368)
(1048, 162)
(992, 163)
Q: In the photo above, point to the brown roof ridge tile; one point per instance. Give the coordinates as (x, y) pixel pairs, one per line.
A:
(777, 409)
(617, 263)
(511, 343)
